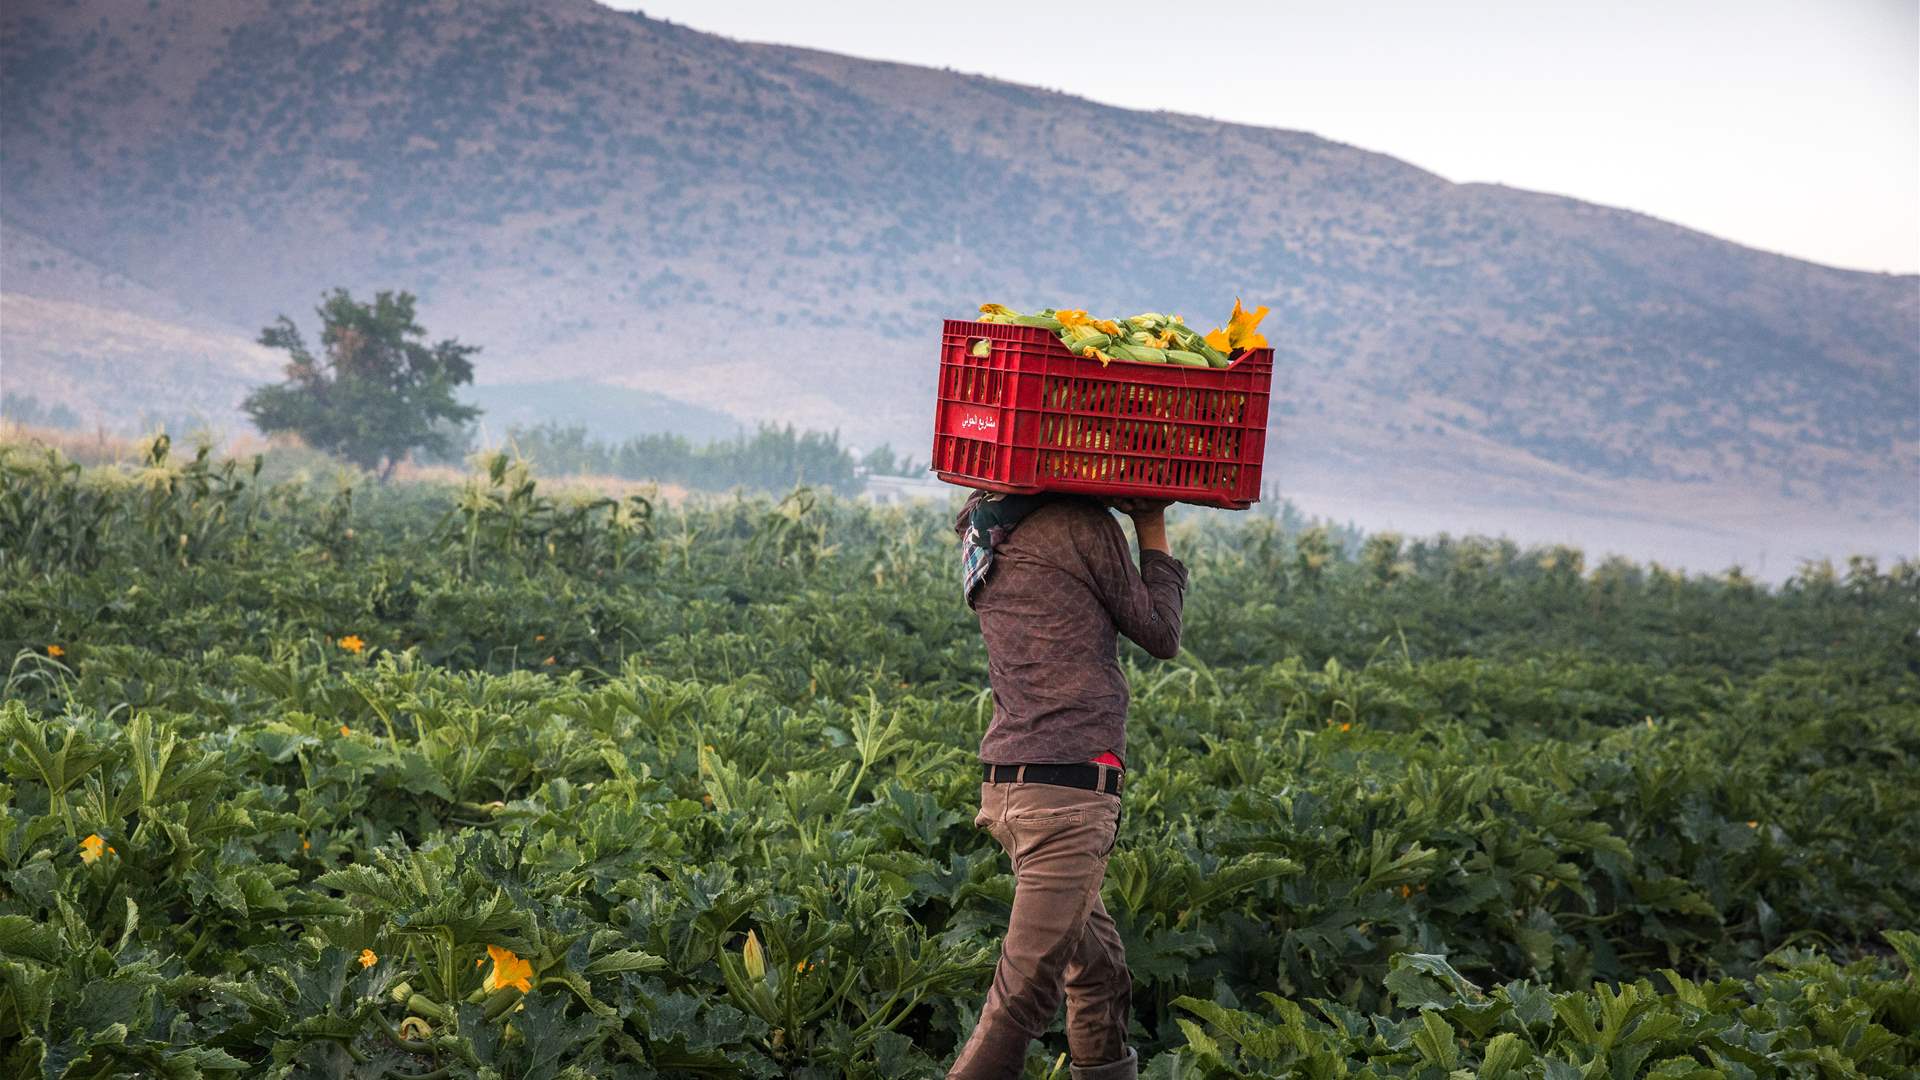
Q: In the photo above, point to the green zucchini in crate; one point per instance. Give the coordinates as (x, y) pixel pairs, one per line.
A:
(1146, 338)
(1167, 412)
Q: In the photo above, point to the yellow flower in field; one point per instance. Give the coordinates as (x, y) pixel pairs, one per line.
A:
(345, 730)
(539, 637)
(1753, 824)
(367, 958)
(803, 966)
(352, 643)
(755, 959)
(508, 970)
(55, 650)
(93, 847)
(305, 844)
(1347, 726)
(548, 660)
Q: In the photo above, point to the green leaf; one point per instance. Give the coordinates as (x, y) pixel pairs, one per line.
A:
(1426, 980)
(1907, 944)
(624, 960)
(29, 939)
(550, 1035)
(1504, 1053)
(1435, 1042)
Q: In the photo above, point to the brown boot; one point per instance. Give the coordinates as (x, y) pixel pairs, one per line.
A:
(1127, 1068)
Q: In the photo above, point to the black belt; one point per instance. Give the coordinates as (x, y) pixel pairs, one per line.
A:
(1087, 775)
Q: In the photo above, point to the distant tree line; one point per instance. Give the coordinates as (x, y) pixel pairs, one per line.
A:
(772, 458)
(27, 409)
(377, 391)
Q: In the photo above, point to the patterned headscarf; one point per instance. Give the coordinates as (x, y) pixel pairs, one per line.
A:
(984, 524)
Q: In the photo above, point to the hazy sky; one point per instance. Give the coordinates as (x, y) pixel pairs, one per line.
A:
(1787, 125)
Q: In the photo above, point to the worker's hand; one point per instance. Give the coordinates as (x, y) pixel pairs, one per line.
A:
(1139, 508)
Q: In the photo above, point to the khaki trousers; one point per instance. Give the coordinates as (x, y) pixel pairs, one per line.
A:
(1060, 939)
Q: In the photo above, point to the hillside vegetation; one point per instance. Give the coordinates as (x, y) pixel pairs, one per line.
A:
(600, 195)
(469, 781)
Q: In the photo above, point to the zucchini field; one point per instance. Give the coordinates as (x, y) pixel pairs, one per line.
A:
(303, 780)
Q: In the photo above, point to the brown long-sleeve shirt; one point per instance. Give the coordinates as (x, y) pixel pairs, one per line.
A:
(1063, 586)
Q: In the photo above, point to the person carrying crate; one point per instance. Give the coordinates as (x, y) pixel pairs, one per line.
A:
(1053, 585)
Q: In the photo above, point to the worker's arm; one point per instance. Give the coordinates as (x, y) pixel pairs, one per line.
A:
(1144, 603)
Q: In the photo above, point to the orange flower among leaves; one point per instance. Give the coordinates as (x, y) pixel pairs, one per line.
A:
(508, 970)
(56, 651)
(352, 643)
(367, 958)
(93, 847)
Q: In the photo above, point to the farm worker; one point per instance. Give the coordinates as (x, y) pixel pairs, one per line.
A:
(1052, 583)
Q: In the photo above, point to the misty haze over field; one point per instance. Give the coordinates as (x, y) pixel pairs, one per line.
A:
(649, 228)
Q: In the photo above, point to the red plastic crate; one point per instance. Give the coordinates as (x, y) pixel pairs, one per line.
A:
(1031, 416)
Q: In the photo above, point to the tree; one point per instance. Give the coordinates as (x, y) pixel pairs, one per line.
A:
(376, 392)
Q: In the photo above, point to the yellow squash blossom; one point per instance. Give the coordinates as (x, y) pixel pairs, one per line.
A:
(1242, 327)
(93, 847)
(997, 309)
(352, 643)
(367, 958)
(345, 730)
(508, 970)
(1241, 331)
(55, 650)
(755, 959)
(1072, 318)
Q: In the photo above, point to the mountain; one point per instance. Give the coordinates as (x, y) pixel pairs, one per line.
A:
(113, 351)
(774, 233)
